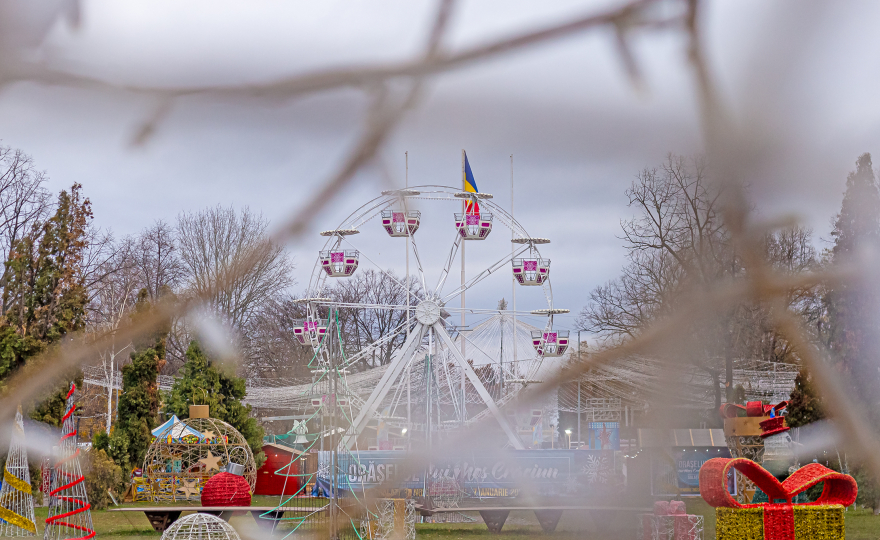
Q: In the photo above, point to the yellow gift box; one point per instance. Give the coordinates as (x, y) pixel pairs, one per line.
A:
(820, 522)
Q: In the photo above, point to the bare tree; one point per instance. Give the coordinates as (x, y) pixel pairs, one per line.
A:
(676, 240)
(230, 263)
(113, 288)
(157, 259)
(23, 200)
(678, 243)
(362, 327)
(275, 351)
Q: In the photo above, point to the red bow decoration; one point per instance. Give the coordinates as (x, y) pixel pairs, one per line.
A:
(751, 408)
(838, 488)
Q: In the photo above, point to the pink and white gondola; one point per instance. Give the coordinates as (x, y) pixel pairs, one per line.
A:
(550, 344)
(474, 226)
(396, 222)
(308, 331)
(339, 263)
(531, 271)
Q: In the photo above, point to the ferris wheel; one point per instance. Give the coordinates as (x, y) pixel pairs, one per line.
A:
(428, 325)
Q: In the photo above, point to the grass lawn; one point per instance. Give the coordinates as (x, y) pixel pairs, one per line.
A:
(860, 525)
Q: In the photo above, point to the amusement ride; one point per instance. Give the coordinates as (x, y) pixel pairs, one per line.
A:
(434, 360)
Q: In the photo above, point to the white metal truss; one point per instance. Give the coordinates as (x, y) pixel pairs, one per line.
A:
(410, 353)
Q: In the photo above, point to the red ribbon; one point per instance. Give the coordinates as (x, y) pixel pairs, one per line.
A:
(82, 507)
(838, 488)
(751, 409)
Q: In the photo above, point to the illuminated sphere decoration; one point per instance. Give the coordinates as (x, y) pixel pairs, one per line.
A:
(227, 488)
(200, 527)
(183, 458)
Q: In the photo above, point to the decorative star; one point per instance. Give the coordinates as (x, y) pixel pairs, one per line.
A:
(212, 462)
(190, 488)
(209, 435)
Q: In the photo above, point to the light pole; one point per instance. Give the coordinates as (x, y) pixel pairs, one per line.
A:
(579, 388)
(568, 433)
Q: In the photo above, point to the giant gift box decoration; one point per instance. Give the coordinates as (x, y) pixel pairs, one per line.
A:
(670, 521)
(818, 520)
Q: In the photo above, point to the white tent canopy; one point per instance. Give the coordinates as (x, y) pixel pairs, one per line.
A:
(175, 428)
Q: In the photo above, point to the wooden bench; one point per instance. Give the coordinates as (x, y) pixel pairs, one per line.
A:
(548, 516)
(267, 517)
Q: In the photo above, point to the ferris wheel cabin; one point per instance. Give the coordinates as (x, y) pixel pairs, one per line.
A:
(339, 263)
(550, 344)
(309, 332)
(396, 223)
(473, 226)
(531, 271)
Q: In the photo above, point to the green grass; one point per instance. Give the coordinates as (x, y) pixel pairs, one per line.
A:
(860, 525)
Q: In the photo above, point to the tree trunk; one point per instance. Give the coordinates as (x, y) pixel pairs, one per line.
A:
(717, 384)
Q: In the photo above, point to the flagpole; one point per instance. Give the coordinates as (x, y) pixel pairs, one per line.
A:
(512, 279)
(461, 331)
(408, 366)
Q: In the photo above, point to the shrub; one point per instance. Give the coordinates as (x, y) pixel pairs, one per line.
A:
(101, 474)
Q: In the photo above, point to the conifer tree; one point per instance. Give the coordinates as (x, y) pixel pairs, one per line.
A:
(853, 330)
(805, 405)
(139, 402)
(203, 383)
(44, 296)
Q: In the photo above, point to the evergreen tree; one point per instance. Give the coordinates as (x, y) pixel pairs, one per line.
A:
(139, 402)
(138, 410)
(45, 296)
(805, 405)
(852, 304)
(203, 383)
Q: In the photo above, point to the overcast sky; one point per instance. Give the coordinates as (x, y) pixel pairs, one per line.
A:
(803, 77)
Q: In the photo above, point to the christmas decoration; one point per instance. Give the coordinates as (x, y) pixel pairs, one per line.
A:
(46, 472)
(670, 521)
(752, 409)
(819, 520)
(744, 435)
(211, 462)
(200, 526)
(185, 454)
(69, 514)
(393, 519)
(227, 488)
(778, 453)
(16, 499)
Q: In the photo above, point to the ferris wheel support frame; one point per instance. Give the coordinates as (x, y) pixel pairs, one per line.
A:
(403, 357)
(395, 368)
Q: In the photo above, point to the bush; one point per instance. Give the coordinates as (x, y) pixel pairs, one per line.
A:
(869, 491)
(101, 475)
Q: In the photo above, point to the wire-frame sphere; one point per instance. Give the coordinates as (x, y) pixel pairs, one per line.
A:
(184, 457)
(199, 526)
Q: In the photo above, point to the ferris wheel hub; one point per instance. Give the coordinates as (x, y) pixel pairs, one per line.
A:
(428, 312)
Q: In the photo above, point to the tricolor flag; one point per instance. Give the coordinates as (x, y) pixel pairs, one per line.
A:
(470, 186)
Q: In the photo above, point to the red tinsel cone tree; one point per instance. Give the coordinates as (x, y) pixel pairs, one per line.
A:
(69, 514)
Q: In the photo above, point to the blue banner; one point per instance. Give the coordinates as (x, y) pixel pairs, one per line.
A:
(604, 435)
(507, 474)
(678, 473)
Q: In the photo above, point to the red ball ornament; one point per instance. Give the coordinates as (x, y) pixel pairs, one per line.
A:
(226, 489)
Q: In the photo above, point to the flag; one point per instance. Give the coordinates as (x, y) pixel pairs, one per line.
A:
(470, 186)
